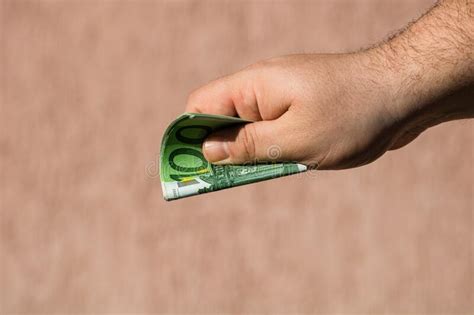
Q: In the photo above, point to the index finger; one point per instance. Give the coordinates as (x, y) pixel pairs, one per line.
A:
(213, 98)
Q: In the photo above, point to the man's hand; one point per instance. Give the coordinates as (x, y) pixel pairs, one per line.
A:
(325, 110)
(346, 110)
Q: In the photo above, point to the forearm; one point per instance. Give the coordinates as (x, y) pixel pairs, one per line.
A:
(431, 59)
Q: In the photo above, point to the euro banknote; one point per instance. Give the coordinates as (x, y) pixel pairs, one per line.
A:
(184, 171)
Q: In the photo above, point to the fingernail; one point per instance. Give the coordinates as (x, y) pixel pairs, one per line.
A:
(215, 151)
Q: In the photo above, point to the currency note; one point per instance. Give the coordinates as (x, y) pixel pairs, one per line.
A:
(184, 171)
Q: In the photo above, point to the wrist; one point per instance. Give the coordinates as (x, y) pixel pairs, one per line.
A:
(431, 59)
(387, 76)
(421, 95)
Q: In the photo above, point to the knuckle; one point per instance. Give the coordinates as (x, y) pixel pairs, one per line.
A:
(193, 97)
(252, 67)
(263, 63)
(244, 97)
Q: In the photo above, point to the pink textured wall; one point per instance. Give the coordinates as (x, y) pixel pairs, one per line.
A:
(87, 89)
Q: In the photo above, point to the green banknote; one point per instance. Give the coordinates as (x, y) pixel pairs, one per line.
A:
(185, 172)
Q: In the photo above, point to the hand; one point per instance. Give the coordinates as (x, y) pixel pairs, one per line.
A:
(345, 110)
(328, 111)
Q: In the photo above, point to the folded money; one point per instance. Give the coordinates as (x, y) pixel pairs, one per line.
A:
(184, 171)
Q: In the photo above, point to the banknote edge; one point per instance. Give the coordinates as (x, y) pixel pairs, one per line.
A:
(301, 167)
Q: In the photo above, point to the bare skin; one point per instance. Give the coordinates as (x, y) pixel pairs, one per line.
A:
(346, 110)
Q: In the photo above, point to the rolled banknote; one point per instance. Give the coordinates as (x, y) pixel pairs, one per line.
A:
(185, 172)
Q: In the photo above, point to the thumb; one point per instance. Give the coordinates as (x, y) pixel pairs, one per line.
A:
(257, 141)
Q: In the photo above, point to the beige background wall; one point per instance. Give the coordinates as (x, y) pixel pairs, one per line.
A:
(87, 89)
